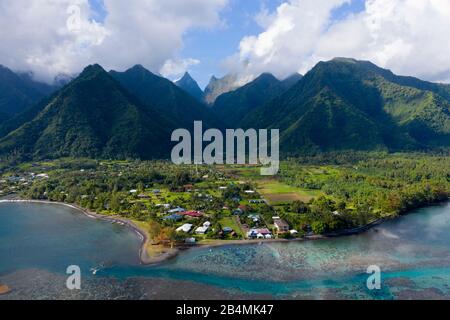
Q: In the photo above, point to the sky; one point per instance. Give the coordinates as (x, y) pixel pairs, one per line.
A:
(216, 37)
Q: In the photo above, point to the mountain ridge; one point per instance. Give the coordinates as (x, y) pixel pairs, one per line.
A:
(188, 84)
(350, 89)
(92, 116)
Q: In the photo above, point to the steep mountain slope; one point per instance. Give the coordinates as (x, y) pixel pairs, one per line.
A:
(159, 93)
(217, 87)
(292, 80)
(231, 107)
(188, 84)
(18, 91)
(93, 116)
(349, 104)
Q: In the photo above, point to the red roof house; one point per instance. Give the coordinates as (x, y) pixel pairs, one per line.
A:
(193, 214)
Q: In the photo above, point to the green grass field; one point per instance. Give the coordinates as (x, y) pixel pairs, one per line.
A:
(231, 222)
(276, 192)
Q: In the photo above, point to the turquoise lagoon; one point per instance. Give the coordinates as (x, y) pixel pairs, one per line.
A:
(39, 241)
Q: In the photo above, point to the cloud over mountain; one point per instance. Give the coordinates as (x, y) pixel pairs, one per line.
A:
(407, 36)
(50, 37)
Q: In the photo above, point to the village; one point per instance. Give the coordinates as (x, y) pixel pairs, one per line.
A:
(240, 220)
(203, 204)
(209, 206)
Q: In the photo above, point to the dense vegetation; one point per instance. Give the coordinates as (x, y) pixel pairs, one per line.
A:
(365, 187)
(19, 91)
(341, 105)
(346, 104)
(93, 116)
(178, 107)
(349, 190)
(233, 106)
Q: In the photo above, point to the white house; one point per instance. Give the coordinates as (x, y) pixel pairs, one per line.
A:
(185, 228)
(207, 224)
(201, 230)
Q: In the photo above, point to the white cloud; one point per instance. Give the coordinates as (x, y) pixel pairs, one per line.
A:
(176, 67)
(411, 37)
(46, 36)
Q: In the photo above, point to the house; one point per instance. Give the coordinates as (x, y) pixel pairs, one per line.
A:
(185, 228)
(336, 213)
(227, 230)
(223, 188)
(255, 218)
(258, 233)
(256, 201)
(293, 232)
(281, 225)
(177, 210)
(189, 241)
(156, 191)
(173, 217)
(201, 230)
(42, 176)
(207, 224)
(133, 191)
(188, 187)
(193, 214)
(238, 212)
(249, 191)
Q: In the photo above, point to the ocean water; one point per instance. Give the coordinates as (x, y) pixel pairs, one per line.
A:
(38, 242)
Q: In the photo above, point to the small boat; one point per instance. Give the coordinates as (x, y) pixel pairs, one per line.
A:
(96, 269)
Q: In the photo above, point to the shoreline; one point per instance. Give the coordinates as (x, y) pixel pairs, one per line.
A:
(144, 258)
(171, 253)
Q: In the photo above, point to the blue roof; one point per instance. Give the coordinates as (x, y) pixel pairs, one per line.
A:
(173, 217)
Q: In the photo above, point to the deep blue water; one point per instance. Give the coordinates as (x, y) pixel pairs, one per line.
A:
(413, 253)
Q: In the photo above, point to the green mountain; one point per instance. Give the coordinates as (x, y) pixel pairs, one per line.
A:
(350, 104)
(92, 116)
(292, 80)
(19, 91)
(159, 93)
(233, 106)
(188, 84)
